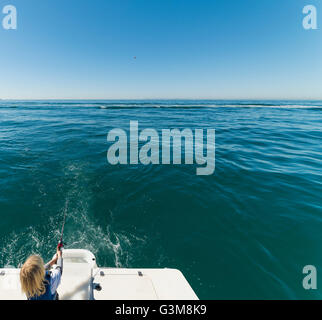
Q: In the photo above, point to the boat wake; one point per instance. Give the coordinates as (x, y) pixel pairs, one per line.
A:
(82, 231)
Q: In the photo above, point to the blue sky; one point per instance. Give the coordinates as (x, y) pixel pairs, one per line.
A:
(193, 49)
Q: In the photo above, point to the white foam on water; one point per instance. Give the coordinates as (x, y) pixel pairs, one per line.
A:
(192, 106)
(81, 230)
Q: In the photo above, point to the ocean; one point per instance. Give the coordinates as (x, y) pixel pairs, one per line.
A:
(244, 232)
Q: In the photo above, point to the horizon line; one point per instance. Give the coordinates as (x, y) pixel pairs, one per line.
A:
(165, 99)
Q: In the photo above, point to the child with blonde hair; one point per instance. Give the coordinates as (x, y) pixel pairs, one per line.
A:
(37, 282)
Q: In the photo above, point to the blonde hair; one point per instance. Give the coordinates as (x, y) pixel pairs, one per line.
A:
(32, 276)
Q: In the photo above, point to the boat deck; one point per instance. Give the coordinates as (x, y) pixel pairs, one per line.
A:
(83, 280)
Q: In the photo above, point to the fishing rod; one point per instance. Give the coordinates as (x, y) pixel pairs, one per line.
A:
(60, 243)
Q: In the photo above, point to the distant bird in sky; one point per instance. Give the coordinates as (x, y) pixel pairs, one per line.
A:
(134, 58)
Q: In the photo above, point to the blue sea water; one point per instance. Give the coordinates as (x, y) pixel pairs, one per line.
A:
(245, 232)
